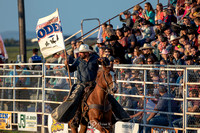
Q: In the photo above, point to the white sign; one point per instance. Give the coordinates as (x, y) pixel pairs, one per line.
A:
(126, 127)
(27, 121)
(49, 34)
(56, 127)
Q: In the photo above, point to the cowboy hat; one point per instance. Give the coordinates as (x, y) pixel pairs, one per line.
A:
(147, 46)
(84, 48)
(174, 37)
(164, 51)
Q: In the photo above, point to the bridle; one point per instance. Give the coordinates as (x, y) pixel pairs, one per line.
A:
(109, 90)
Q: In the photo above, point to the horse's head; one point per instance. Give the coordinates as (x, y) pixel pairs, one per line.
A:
(106, 78)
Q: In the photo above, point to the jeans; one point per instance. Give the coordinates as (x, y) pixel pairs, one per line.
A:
(158, 120)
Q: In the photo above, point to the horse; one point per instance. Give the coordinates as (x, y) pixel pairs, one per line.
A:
(99, 109)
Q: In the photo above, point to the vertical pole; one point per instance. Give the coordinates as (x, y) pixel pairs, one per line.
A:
(43, 95)
(14, 94)
(144, 118)
(22, 30)
(120, 84)
(185, 95)
(169, 101)
(158, 1)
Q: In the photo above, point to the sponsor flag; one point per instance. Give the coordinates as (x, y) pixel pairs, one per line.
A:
(3, 49)
(49, 34)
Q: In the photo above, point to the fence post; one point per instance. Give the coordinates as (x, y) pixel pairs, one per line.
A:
(144, 118)
(14, 95)
(43, 95)
(169, 101)
(120, 84)
(185, 88)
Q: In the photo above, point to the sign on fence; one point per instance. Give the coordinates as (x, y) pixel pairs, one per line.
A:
(126, 127)
(163, 130)
(5, 120)
(56, 127)
(27, 121)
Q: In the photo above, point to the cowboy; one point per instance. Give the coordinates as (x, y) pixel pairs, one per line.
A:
(87, 66)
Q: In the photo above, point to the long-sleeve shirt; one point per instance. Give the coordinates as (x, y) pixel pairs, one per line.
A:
(86, 71)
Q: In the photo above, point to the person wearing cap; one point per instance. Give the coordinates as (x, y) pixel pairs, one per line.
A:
(127, 20)
(116, 47)
(147, 51)
(98, 45)
(34, 59)
(163, 105)
(136, 19)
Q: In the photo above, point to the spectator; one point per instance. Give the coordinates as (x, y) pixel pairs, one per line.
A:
(165, 55)
(132, 41)
(54, 58)
(108, 54)
(138, 35)
(162, 105)
(127, 20)
(195, 53)
(187, 8)
(2, 58)
(147, 51)
(193, 106)
(136, 55)
(104, 27)
(136, 19)
(116, 47)
(148, 13)
(176, 58)
(122, 39)
(73, 45)
(197, 22)
(193, 38)
(159, 14)
(188, 60)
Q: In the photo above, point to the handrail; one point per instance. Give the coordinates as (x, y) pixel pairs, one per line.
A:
(72, 36)
(105, 22)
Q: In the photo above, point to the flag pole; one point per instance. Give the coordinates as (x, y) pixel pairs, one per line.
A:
(67, 65)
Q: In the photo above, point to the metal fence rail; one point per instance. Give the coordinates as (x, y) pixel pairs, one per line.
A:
(40, 91)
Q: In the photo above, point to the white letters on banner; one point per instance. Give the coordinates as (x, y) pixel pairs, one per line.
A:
(27, 121)
(126, 127)
(49, 34)
(56, 127)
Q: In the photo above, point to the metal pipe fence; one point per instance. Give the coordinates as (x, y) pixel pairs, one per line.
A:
(40, 91)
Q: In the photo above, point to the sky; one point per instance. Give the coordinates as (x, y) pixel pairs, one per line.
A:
(71, 12)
